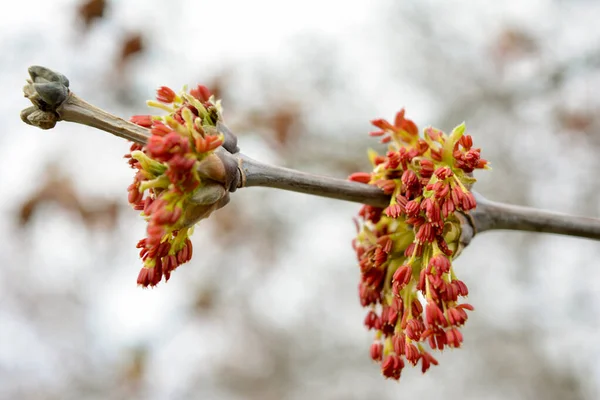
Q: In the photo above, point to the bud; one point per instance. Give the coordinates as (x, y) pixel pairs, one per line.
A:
(154, 167)
(201, 93)
(165, 95)
(376, 351)
(142, 120)
(362, 177)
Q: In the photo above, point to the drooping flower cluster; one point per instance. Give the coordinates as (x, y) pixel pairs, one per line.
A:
(168, 178)
(405, 251)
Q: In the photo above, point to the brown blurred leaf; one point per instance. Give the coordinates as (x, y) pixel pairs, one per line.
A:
(91, 10)
(101, 212)
(132, 44)
(513, 43)
(58, 189)
(217, 85)
(205, 299)
(580, 120)
(227, 222)
(134, 368)
(282, 124)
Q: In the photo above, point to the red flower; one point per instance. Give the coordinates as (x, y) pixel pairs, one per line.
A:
(376, 351)
(405, 124)
(166, 179)
(201, 93)
(429, 180)
(392, 367)
(165, 95)
(142, 120)
(362, 177)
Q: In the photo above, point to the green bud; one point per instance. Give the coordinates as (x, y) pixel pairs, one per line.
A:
(156, 168)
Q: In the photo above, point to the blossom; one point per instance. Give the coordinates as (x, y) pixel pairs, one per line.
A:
(405, 251)
(174, 170)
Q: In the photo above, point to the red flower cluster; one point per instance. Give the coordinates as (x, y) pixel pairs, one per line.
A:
(405, 251)
(167, 176)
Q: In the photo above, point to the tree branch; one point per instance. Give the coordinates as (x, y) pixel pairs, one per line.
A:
(52, 102)
(77, 110)
(491, 215)
(257, 173)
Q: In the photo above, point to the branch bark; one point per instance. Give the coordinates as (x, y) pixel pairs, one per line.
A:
(257, 173)
(52, 102)
(491, 215)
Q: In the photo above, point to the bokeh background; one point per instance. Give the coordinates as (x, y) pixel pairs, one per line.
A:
(268, 308)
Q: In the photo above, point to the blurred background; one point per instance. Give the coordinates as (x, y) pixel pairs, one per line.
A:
(268, 308)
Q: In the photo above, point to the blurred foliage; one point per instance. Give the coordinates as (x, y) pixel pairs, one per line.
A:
(56, 188)
(270, 310)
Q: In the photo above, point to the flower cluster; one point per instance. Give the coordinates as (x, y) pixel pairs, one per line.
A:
(168, 178)
(405, 251)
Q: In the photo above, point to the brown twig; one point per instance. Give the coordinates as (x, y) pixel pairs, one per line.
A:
(74, 109)
(491, 215)
(257, 173)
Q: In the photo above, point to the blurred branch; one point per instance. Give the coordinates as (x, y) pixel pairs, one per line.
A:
(53, 102)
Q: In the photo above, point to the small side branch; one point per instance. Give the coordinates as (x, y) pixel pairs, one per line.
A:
(74, 109)
(53, 101)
